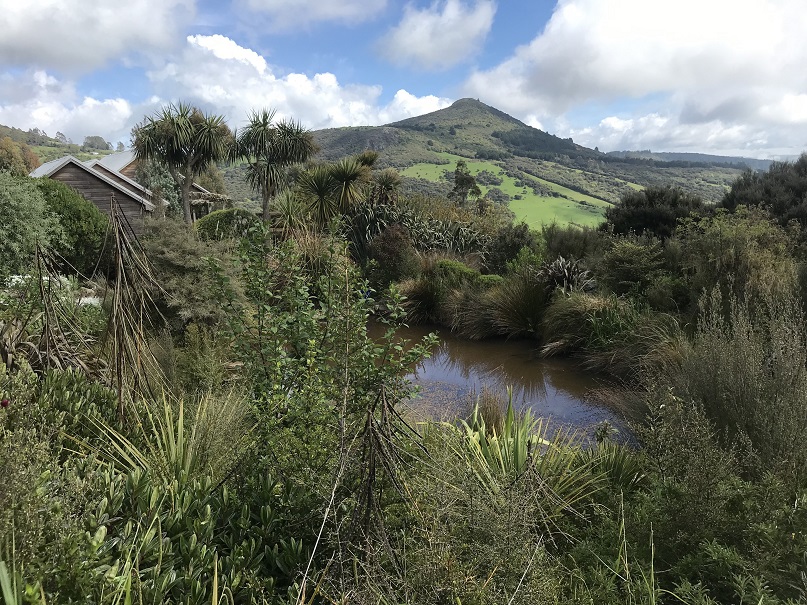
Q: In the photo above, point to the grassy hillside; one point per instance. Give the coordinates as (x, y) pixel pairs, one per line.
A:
(546, 178)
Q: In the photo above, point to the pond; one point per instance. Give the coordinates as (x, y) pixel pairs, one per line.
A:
(458, 368)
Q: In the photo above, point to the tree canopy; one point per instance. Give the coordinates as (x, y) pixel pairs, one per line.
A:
(269, 148)
(653, 211)
(186, 141)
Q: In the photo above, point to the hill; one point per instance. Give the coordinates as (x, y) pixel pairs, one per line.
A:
(541, 176)
(695, 158)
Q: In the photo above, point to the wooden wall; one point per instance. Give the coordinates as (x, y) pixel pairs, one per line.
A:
(100, 193)
(129, 171)
(112, 175)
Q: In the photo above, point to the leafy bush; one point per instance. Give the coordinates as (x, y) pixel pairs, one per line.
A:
(610, 335)
(26, 222)
(748, 372)
(744, 254)
(84, 227)
(394, 255)
(631, 265)
(506, 244)
(231, 223)
(782, 190)
(652, 211)
(181, 265)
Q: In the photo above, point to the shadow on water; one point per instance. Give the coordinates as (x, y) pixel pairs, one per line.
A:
(552, 388)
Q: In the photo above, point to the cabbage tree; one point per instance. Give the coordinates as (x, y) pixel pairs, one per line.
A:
(269, 148)
(186, 141)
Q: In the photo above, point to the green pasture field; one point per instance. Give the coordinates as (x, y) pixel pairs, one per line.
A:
(536, 210)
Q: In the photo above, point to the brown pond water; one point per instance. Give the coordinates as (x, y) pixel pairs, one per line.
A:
(552, 388)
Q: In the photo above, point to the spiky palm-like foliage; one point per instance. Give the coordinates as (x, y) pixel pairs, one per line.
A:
(566, 275)
(526, 452)
(384, 187)
(351, 177)
(318, 190)
(186, 141)
(269, 149)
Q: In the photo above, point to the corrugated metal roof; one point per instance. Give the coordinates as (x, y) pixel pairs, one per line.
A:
(117, 161)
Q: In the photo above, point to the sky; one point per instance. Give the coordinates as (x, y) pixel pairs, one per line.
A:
(713, 76)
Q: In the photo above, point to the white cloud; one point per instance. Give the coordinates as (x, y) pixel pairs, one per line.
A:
(717, 70)
(78, 35)
(52, 105)
(217, 73)
(288, 14)
(440, 36)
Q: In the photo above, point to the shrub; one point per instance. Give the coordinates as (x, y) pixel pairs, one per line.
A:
(748, 372)
(181, 266)
(506, 244)
(26, 222)
(744, 254)
(394, 255)
(610, 335)
(231, 223)
(573, 242)
(652, 211)
(631, 265)
(84, 226)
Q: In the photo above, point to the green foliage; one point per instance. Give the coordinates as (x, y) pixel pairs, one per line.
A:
(652, 211)
(611, 335)
(186, 141)
(16, 157)
(631, 266)
(179, 261)
(84, 227)
(231, 223)
(748, 372)
(572, 242)
(782, 190)
(566, 276)
(26, 223)
(742, 253)
(506, 245)
(269, 148)
(95, 142)
(394, 256)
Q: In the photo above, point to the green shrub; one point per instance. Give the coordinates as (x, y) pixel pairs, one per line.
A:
(573, 242)
(181, 265)
(631, 265)
(506, 244)
(394, 255)
(652, 211)
(26, 222)
(744, 254)
(231, 223)
(748, 372)
(84, 226)
(610, 335)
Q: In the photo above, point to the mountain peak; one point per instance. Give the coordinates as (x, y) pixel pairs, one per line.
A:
(465, 110)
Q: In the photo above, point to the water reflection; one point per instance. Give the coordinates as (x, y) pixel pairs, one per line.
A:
(551, 388)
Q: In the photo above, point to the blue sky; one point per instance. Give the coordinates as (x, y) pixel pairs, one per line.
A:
(716, 76)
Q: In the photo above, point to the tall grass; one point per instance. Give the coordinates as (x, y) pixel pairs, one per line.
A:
(610, 335)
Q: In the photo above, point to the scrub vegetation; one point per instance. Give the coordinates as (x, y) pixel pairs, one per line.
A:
(199, 414)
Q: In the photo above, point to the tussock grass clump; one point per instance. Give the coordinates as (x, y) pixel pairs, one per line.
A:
(611, 335)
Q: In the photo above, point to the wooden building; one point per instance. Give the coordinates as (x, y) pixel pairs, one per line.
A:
(99, 186)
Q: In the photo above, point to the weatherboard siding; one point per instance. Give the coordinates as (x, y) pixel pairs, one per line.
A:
(94, 189)
(115, 176)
